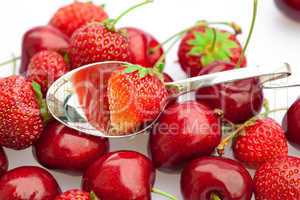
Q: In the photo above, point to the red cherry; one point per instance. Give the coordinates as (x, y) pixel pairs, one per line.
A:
(239, 100)
(291, 123)
(167, 78)
(122, 175)
(210, 178)
(141, 45)
(3, 161)
(28, 183)
(184, 131)
(60, 147)
(295, 4)
(41, 38)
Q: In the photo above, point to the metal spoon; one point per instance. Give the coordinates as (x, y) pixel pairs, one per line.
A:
(65, 105)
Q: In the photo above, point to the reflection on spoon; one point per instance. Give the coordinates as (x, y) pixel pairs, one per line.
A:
(100, 100)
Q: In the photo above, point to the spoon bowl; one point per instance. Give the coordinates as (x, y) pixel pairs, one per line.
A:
(79, 98)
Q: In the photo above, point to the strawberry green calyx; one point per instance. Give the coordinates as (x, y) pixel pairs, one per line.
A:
(212, 45)
(41, 101)
(142, 71)
(93, 196)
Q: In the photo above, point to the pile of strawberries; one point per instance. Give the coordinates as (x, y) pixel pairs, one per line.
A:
(182, 140)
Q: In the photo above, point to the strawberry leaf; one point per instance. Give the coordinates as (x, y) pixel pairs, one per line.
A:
(38, 92)
(93, 196)
(41, 101)
(142, 71)
(203, 46)
(161, 67)
(67, 58)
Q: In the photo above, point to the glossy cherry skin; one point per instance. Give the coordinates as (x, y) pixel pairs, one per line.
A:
(28, 183)
(167, 78)
(184, 131)
(295, 4)
(291, 123)
(224, 177)
(41, 38)
(141, 45)
(239, 100)
(125, 175)
(3, 161)
(60, 147)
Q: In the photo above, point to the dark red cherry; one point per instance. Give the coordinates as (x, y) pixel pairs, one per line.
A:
(142, 47)
(294, 4)
(60, 147)
(291, 123)
(125, 175)
(3, 161)
(167, 78)
(41, 38)
(28, 183)
(216, 178)
(184, 131)
(239, 100)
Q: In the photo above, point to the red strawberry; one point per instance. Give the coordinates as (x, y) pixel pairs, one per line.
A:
(203, 45)
(21, 111)
(45, 67)
(135, 95)
(71, 17)
(278, 180)
(261, 141)
(76, 194)
(94, 43)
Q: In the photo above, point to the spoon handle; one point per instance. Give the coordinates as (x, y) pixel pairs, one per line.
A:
(264, 74)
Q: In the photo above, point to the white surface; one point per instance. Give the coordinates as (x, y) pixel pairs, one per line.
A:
(276, 40)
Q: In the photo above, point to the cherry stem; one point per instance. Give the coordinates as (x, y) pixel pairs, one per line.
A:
(115, 21)
(164, 194)
(158, 65)
(232, 25)
(254, 16)
(213, 45)
(266, 105)
(213, 196)
(14, 62)
(225, 141)
(14, 59)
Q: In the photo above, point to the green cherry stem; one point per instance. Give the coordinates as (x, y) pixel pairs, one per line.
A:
(225, 141)
(254, 16)
(213, 196)
(115, 21)
(164, 194)
(14, 62)
(159, 64)
(14, 59)
(237, 29)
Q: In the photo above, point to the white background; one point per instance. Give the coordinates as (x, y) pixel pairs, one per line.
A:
(276, 40)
